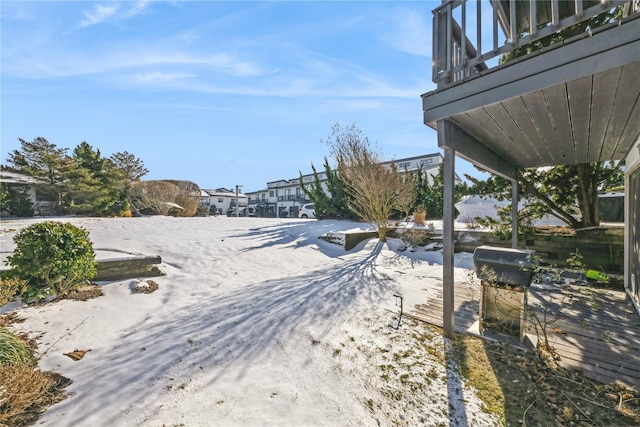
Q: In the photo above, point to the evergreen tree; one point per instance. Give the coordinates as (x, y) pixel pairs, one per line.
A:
(16, 201)
(130, 169)
(50, 165)
(317, 195)
(430, 192)
(568, 192)
(97, 188)
(329, 201)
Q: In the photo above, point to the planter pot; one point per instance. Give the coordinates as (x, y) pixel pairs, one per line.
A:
(419, 218)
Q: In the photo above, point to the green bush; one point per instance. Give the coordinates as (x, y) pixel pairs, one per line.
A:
(54, 258)
(202, 211)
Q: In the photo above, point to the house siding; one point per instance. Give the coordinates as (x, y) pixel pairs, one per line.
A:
(632, 224)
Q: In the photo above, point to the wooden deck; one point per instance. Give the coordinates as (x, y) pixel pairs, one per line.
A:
(595, 331)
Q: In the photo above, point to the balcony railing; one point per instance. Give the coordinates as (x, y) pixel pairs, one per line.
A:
(460, 25)
(293, 198)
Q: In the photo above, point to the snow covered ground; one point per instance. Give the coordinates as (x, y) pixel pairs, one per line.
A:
(256, 322)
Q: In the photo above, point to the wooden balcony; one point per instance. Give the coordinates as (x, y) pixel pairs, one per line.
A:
(573, 102)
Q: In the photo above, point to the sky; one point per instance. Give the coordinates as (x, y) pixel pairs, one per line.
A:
(218, 93)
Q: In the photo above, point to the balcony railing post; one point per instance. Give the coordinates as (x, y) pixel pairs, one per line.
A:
(513, 27)
(533, 18)
(454, 55)
(479, 27)
(495, 28)
(555, 13)
(463, 41)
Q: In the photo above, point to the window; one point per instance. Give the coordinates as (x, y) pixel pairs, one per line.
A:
(220, 200)
(404, 165)
(271, 193)
(426, 162)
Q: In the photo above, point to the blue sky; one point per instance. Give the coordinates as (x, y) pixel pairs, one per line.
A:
(218, 93)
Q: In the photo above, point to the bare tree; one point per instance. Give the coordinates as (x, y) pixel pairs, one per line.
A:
(188, 196)
(164, 196)
(371, 186)
(154, 196)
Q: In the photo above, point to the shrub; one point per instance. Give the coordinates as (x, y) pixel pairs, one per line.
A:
(413, 238)
(9, 288)
(54, 258)
(202, 211)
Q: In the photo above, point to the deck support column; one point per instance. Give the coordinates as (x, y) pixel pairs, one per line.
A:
(514, 213)
(447, 236)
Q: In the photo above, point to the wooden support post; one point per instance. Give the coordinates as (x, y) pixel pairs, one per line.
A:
(447, 238)
(514, 212)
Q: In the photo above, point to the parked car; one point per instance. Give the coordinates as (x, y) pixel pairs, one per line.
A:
(307, 211)
(235, 212)
(241, 212)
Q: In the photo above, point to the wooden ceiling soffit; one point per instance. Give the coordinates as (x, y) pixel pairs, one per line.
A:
(579, 97)
(624, 131)
(451, 136)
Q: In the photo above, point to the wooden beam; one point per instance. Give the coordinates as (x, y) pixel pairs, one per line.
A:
(451, 136)
(127, 268)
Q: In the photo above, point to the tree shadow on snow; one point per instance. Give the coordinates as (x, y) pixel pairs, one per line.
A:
(298, 234)
(225, 333)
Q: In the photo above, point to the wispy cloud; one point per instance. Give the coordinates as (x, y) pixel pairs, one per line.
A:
(409, 32)
(159, 78)
(138, 7)
(50, 64)
(99, 14)
(113, 11)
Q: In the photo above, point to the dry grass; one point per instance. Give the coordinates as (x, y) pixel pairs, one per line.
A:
(14, 350)
(528, 389)
(26, 392)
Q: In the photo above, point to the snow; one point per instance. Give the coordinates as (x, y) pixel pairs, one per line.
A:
(256, 322)
(471, 207)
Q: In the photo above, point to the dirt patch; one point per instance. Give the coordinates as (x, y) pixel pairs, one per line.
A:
(83, 293)
(145, 286)
(10, 318)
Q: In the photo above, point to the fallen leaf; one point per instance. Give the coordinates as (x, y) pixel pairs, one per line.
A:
(76, 354)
